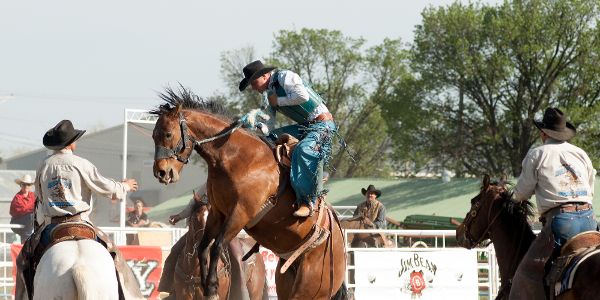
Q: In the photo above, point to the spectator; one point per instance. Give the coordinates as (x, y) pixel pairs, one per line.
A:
(371, 208)
(22, 206)
(137, 218)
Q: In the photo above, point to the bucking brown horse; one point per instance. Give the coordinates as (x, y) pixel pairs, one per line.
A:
(247, 189)
(493, 216)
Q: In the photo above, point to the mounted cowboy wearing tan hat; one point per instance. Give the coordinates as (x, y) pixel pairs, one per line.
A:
(61, 135)
(555, 125)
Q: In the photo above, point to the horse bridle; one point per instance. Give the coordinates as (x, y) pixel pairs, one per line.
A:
(471, 216)
(162, 152)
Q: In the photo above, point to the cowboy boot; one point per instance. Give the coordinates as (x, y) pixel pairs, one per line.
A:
(303, 211)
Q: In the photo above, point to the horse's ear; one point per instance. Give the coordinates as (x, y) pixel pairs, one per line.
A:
(177, 109)
(503, 179)
(485, 183)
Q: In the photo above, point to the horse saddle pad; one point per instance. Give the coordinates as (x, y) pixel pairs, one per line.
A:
(575, 251)
(284, 146)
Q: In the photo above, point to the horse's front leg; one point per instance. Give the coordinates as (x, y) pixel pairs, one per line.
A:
(214, 223)
(230, 228)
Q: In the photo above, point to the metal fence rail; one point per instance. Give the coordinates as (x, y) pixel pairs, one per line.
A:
(403, 240)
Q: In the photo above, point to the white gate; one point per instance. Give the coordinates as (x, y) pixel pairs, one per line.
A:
(425, 241)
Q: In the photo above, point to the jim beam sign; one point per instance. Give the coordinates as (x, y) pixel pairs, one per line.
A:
(416, 273)
(409, 274)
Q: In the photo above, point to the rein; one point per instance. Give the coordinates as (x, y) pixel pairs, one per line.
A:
(472, 214)
(506, 284)
(161, 152)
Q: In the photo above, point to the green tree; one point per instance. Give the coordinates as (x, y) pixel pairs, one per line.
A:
(482, 73)
(232, 63)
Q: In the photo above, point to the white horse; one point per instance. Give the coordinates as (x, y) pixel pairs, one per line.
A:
(80, 269)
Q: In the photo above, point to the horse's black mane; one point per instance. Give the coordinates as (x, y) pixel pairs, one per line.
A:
(520, 211)
(186, 99)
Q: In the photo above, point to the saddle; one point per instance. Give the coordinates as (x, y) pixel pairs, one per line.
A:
(284, 146)
(575, 251)
(71, 231)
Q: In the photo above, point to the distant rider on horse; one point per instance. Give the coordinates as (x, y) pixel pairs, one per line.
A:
(285, 92)
(64, 185)
(372, 208)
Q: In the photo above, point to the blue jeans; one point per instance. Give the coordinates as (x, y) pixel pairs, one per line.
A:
(45, 239)
(309, 157)
(568, 224)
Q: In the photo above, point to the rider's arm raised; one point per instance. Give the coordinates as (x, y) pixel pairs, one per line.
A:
(101, 185)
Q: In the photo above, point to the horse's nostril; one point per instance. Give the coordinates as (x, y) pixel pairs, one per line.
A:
(162, 174)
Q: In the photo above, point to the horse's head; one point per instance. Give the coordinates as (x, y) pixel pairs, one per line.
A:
(173, 146)
(486, 207)
(184, 122)
(197, 220)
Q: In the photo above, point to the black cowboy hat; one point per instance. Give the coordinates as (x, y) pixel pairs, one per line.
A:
(61, 135)
(555, 125)
(252, 71)
(371, 188)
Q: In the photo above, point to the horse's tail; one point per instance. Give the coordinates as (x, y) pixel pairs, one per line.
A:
(342, 293)
(82, 276)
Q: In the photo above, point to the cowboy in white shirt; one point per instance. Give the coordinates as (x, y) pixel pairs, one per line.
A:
(64, 185)
(562, 177)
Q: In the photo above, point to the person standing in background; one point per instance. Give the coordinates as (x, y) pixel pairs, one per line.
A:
(22, 207)
(137, 218)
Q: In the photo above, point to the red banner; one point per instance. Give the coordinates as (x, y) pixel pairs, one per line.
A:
(145, 262)
(15, 249)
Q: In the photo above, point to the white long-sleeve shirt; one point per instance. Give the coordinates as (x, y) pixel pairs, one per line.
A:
(64, 184)
(296, 91)
(557, 172)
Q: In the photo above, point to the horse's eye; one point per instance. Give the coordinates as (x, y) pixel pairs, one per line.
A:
(169, 135)
(473, 214)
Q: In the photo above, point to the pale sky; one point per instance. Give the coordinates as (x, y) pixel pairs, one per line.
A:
(87, 61)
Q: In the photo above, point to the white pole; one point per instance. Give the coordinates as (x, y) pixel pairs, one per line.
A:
(124, 201)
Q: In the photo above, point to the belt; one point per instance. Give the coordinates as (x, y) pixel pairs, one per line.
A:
(566, 207)
(322, 118)
(573, 207)
(65, 219)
